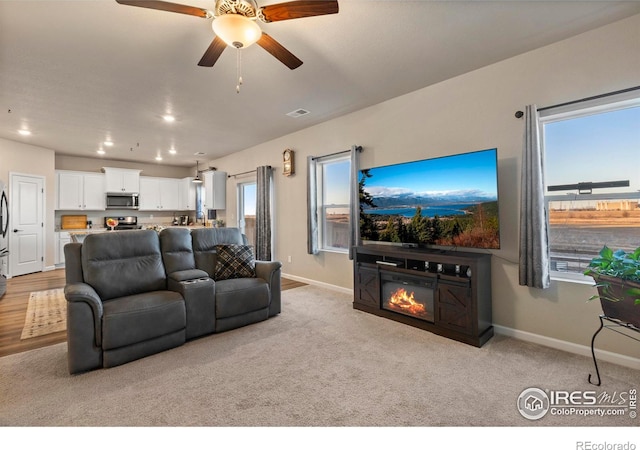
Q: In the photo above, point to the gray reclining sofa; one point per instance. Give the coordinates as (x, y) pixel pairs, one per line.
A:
(131, 294)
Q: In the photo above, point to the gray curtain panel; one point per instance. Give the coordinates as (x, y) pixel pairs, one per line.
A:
(312, 207)
(534, 235)
(354, 198)
(263, 213)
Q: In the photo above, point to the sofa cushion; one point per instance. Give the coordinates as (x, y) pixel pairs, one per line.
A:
(240, 296)
(204, 245)
(234, 261)
(177, 251)
(121, 263)
(137, 318)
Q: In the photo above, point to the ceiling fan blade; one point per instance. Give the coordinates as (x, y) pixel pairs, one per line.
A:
(212, 54)
(167, 6)
(298, 9)
(282, 54)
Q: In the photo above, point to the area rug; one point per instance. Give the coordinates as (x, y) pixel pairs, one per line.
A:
(46, 313)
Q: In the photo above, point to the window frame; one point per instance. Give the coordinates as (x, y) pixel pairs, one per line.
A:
(577, 110)
(241, 222)
(321, 207)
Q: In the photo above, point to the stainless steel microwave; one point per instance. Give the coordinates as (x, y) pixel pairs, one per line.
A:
(122, 201)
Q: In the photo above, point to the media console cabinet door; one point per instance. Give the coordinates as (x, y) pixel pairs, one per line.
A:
(368, 287)
(454, 307)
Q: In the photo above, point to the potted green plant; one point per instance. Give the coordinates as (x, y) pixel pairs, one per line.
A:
(617, 277)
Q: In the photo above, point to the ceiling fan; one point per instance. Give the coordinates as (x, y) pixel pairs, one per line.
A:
(234, 23)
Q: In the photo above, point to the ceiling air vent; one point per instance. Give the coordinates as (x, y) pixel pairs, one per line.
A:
(298, 113)
(199, 154)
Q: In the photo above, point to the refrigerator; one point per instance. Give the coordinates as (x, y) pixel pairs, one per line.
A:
(4, 231)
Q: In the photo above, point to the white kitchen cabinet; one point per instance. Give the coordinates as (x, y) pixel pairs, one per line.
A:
(94, 191)
(122, 180)
(62, 239)
(187, 194)
(80, 191)
(159, 194)
(215, 190)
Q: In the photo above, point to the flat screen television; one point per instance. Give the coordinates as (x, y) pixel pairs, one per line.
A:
(448, 201)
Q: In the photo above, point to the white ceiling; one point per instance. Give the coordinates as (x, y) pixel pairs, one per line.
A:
(78, 72)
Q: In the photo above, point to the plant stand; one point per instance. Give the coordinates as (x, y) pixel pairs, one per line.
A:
(613, 326)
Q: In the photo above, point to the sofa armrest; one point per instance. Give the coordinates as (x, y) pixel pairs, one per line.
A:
(270, 271)
(199, 299)
(82, 292)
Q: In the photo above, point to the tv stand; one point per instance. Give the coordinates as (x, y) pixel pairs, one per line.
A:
(460, 285)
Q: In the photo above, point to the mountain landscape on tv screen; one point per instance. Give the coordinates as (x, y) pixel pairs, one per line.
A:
(386, 200)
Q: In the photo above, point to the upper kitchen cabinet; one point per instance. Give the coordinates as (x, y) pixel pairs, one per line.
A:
(159, 194)
(122, 180)
(80, 190)
(215, 190)
(187, 194)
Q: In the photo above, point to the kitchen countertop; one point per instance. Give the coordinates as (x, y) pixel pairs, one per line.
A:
(81, 230)
(77, 231)
(78, 235)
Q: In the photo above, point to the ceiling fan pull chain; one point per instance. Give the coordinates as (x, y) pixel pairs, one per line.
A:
(239, 70)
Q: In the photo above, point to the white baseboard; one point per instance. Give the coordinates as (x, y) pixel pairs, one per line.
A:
(332, 287)
(604, 355)
(49, 268)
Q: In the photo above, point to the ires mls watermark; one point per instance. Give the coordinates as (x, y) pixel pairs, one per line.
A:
(535, 403)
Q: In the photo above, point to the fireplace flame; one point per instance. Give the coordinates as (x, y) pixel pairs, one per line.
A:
(406, 303)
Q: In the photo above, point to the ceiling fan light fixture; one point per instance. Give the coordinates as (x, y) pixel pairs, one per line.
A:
(236, 30)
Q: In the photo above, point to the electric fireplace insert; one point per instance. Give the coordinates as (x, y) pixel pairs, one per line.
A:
(408, 295)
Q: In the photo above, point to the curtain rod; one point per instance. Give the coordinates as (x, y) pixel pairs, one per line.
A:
(519, 114)
(244, 173)
(335, 153)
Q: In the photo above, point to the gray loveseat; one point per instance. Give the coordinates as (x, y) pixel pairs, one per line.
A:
(131, 294)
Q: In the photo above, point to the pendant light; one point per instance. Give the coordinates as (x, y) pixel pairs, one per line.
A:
(197, 179)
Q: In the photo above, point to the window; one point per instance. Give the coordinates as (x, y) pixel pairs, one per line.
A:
(592, 180)
(333, 203)
(247, 209)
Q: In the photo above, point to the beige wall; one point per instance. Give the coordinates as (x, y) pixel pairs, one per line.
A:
(68, 162)
(31, 160)
(471, 112)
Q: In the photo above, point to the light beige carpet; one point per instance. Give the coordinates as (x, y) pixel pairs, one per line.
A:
(46, 313)
(318, 363)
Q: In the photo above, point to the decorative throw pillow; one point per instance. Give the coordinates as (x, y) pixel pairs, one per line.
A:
(234, 261)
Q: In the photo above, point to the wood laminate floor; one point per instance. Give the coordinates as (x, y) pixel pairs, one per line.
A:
(13, 310)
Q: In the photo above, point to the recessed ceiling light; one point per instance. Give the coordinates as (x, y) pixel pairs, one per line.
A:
(173, 151)
(158, 158)
(169, 118)
(101, 152)
(108, 143)
(24, 132)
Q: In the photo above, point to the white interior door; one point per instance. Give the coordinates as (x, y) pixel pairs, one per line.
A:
(27, 228)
